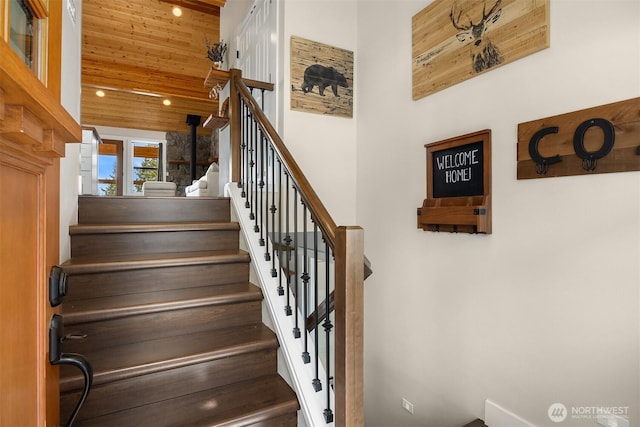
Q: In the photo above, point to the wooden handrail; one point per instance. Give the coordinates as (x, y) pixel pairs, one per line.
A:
(347, 246)
(318, 212)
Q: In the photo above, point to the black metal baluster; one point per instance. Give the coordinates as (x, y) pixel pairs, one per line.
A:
(287, 241)
(328, 413)
(254, 201)
(317, 384)
(247, 157)
(249, 202)
(272, 210)
(305, 283)
(280, 236)
(262, 211)
(259, 180)
(242, 145)
(296, 268)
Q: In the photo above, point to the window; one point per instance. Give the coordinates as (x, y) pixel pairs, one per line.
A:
(110, 168)
(146, 163)
(24, 34)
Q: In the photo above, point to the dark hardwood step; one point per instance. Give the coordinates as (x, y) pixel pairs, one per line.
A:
(147, 357)
(168, 384)
(91, 277)
(107, 308)
(173, 328)
(252, 402)
(97, 263)
(131, 239)
(81, 229)
(128, 209)
(170, 314)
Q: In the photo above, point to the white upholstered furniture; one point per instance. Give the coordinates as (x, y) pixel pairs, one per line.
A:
(158, 188)
(205, 186)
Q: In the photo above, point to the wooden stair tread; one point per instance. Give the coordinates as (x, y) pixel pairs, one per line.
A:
(102, 263)
(129, 209)
(99, 309)
(241, 404)
(80, 229)
(146, 357)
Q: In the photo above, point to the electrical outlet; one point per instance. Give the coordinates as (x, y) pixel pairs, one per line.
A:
(407, 406)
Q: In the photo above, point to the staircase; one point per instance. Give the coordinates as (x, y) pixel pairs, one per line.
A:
(173, 327)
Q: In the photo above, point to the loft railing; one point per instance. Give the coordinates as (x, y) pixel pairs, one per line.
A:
(316, 265)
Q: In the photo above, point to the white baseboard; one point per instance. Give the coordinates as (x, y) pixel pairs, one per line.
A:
(497, 416)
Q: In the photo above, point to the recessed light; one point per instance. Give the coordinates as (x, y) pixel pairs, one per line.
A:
(176, 11)
(166, 102)
(100, 93)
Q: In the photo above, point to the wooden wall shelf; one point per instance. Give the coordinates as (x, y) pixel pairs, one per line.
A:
(216, 76)
(215, 122)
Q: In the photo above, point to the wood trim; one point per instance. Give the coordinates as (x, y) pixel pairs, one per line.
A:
(54, 48)
(349, 303)
(235, 77)
(256, 84)
(38, 8)
(22, 87)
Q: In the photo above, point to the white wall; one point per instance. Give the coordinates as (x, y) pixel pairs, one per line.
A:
(231, 17)
(544, 310)
(323, 146)
(70, 100)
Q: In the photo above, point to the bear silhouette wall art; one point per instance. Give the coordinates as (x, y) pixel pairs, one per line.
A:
(321, 78)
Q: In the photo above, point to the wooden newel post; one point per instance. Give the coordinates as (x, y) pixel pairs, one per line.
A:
(349, 338)
(235, 75)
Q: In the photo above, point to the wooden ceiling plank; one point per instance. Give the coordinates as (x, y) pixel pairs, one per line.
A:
(126, 110)
(108, 75)
(211, 7)
(139, 47)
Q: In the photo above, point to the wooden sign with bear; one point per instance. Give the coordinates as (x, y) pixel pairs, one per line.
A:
(321, 78)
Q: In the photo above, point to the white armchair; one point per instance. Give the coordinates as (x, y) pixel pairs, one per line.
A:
(205, 186)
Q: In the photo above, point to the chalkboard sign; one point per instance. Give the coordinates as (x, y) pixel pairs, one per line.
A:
(460, 166)
(458, 171)
(458, 185)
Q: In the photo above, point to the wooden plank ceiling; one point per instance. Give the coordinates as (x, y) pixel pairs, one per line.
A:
(139, 54)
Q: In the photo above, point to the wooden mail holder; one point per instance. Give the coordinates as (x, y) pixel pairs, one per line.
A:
(458, 185)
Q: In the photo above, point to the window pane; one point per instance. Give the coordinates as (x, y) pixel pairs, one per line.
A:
(21, 35)
(145, 164)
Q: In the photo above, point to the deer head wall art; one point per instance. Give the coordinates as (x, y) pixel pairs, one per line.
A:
(484, 54)
(454, 40)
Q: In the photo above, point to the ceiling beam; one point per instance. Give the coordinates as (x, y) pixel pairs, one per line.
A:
(138, 111)
(130, 78)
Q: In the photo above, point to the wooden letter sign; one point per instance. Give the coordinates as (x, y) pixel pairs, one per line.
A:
(458, 185)
(596, 140)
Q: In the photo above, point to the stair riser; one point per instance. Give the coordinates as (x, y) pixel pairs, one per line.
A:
(156, 279)
(145, 389)
(153, 243)
(146, 327)
(128, 210)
